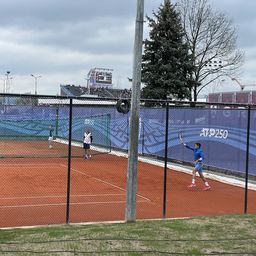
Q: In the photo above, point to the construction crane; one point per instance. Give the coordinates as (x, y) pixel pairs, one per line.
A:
(242, 86)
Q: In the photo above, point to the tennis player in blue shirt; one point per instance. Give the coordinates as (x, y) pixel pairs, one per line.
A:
(198, 161)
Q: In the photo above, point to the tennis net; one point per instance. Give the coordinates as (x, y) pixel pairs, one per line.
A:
(26, 132)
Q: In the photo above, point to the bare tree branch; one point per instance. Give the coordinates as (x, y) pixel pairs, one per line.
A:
(211, 37)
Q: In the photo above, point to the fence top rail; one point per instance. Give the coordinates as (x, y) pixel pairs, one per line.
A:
(56, 97)
(171, 103)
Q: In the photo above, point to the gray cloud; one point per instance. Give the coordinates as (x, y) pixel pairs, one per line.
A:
(63, 39)
(101, 36)
(54, 37)
(243, 16)
(41, 13)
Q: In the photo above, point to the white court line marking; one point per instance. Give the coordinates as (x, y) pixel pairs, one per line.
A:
(106, 182)
(39, 197)
(29, 165)
(64, 204)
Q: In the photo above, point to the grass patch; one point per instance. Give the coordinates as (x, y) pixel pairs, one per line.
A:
(194, 236)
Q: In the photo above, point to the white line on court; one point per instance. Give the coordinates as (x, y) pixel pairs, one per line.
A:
(57, 196)
(29, 165)
(179, 168)
(103, 181)
(64, 204)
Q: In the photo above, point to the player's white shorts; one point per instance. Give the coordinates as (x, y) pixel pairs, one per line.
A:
(50, 138)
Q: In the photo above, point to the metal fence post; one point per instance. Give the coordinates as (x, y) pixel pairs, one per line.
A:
(247, 159)
(143, 138)
(166, 157)
(69, 161)
(127, 132)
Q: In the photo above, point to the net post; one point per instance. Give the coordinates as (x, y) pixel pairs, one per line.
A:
(69, 160)
(247, 159)
(130, 211)
(165, 158)
(57, 121)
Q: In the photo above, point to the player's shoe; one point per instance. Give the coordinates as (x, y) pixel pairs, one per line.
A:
(192, 185)
(50, 147)
(206, 188)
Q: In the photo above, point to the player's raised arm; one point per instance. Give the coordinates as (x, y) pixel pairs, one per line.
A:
(187, 146)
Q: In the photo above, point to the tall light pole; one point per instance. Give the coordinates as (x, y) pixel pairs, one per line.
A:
(131, 191)
(36, 77)
(7, 82)
(88, 85)
(241, 85)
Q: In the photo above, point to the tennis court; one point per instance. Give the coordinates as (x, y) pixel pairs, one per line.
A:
(34, 191)
(34, 179)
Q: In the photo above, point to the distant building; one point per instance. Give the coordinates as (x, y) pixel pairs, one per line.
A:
(243, 97)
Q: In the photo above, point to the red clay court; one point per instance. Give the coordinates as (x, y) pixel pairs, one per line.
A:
(34, 192)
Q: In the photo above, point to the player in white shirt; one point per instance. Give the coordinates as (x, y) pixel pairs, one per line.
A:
(50, 139)
(87, 144)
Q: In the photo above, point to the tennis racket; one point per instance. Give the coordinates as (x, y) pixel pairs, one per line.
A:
(181, 138)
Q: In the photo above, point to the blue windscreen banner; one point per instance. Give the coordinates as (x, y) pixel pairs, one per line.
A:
(152, 127)
(221, 131)
(252, 155)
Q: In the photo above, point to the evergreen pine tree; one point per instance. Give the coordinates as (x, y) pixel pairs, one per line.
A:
(166, 62)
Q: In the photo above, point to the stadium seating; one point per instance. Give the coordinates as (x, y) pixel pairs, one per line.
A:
(76, 91)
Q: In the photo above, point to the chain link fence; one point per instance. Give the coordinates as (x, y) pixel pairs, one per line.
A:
(49, 176)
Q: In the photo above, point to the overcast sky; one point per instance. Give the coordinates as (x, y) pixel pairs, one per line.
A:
(62, 39)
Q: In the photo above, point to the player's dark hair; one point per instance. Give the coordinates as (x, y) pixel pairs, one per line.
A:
(198, 144)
